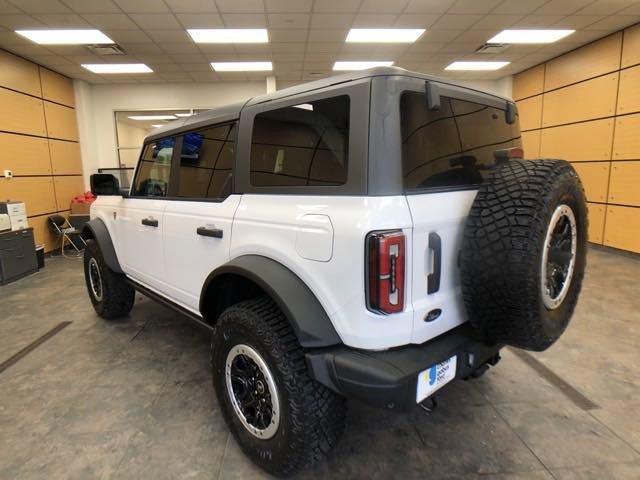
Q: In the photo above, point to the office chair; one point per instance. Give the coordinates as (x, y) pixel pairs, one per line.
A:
(61, 227)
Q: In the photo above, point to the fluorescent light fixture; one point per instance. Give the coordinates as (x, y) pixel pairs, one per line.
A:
(476, 65)
(384, 35)
(229, 35)
(158, 125)
(117, 67)
(183, 114)
(530, 36)
(360, 65)
(65, 37)
(152, 117)
(242, 66)
(304, 106)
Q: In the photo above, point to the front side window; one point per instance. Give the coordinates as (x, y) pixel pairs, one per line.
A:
(206, 162)
(154, 170)
(301, 145)
(453, 146)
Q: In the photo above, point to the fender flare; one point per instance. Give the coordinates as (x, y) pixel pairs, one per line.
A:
(310, 322)
(97, 230)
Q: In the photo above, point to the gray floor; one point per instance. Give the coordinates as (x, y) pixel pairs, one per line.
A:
(133, 399)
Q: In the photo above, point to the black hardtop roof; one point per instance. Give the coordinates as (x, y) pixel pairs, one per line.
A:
(232, 111)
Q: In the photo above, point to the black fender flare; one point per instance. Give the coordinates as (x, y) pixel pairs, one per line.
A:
(97, 230)
(309, 320)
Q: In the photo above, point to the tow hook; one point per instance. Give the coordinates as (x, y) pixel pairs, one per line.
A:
(429, 405)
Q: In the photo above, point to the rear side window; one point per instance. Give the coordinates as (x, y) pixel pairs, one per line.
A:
(154, 170)
(206, 162)
(451, 147)
(305, 144)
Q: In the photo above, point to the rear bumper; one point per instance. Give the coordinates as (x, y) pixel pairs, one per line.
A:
(388, 379)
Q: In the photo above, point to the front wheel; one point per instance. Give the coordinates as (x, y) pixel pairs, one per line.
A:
(281, 417)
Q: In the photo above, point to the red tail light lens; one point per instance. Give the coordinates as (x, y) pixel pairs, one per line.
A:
(385, 271)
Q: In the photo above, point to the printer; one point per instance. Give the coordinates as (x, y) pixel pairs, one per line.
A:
(17, 213)
(5, 222)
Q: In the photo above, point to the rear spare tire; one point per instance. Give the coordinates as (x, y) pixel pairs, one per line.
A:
(523, 253)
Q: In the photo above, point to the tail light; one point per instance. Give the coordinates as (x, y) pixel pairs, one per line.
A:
(385, 271)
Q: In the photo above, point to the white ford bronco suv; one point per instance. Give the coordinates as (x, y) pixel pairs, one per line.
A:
(373, 235)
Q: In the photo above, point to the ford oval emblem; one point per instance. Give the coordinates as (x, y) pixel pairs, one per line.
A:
(433, 315)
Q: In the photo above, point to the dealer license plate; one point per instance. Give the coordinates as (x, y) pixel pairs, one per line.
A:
(435, 377)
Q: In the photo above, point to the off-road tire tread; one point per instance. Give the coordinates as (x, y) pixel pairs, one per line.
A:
(317, 413)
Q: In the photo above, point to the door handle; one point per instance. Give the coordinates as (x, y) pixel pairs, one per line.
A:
(433, 279)
(209, 232)
(149, 222)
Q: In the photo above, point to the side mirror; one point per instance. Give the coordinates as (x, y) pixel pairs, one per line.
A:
(104, 184)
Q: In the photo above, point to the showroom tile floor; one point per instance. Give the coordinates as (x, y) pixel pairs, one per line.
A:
(133, 399)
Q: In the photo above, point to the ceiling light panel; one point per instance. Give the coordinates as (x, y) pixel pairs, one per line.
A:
(349, 66)
(229, 35)
(476, 66)
(152, 117)
(530, 36)
(65, 37)
(117, 67)
(242, 66)
(384, 35)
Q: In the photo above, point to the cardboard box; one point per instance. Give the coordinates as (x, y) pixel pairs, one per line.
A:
(80, 208)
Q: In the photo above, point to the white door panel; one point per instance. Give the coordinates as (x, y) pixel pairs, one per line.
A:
(189, 256)
(444, 214)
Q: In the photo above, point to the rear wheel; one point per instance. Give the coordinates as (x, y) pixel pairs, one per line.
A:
(112, 297)
(281, 417)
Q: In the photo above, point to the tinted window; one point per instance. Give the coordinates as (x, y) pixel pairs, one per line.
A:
(305, 144)
(152, 178)
(206, 162)
(452, 146)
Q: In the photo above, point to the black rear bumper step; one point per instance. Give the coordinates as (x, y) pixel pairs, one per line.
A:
(388, 379)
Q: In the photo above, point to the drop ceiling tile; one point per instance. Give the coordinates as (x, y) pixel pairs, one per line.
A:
(518, 6)
(288, 47)
(6, 7)
(497, 21)
(474, 6)
(141, 48)
(383, 6)
(316, 66)
(62, 20)
(254, 48)
(208, 76)
(189, 58)
(169, 36)
(244, 20)
(452, 22)
(613, 22)
(331, 20)
(92, 6)
(336, 6)
(175, 76)
(166, 68)
(182, 48)
(577, 22)
(287, 36)
(421, 50)
(459, 47)
(374, 20)
(200, 20)
(69, 49)
(323, 47)
(562, 7)
(287, 77)
(28, 50)
(156, 21)
(416, 20)
(289, 6)
(16, 22)
(79, 59)
(245, 6)
(115, 21)
(155, 60)
(283, 66)
(428, 6)
(50, 60)
(477, 36)
(606, 7)
(537, 21)
(196, 67)
(288, 20)
(8, 38)
(439, 36)
(288, 57)
(632, 10)
(192, 6)
(142, 6)
(39, 6)
(128, 36)
(323, 35)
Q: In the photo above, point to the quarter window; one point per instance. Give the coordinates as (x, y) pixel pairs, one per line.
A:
(206, 163)
(152, 179)
(301, 145)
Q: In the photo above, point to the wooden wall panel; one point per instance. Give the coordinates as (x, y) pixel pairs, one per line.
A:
(596, 222)
(530, 112)
(629, 94)
(42, 232)
(623, 185)
(36, 192)
(57, 88)
(595, 179)
(622, 227)
(631, 46)
(587, 100)
(528, 83)
(585, 141)
(65, 157)
(61, 121)
(597, 58)
(531, 143)
(24, 155)
(19, 74)
(67, 188)
(21, 113)
(626, 142)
